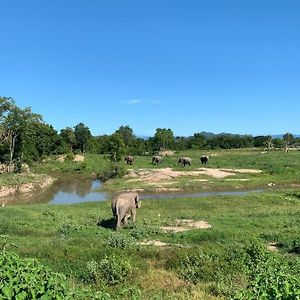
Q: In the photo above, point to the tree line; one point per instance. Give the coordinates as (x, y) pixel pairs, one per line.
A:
(25, 137)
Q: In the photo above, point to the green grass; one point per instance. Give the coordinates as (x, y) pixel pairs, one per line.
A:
(217, 263)
(68, 238)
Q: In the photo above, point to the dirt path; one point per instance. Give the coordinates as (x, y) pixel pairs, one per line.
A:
(167, 176)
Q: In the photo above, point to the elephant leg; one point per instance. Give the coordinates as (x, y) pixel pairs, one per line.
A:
(118, 223)
(125, 219)
(133, 214)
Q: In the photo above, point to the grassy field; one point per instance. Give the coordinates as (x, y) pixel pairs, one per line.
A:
(231, 260)
(278, 170)
(215, 263)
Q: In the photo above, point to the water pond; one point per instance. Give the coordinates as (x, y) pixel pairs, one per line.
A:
(72, 190)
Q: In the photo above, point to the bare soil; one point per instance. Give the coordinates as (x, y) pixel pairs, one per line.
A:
(168, 176)
(184, 225)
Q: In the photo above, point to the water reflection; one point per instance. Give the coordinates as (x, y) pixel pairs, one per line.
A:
(70, 190)
(64, 191)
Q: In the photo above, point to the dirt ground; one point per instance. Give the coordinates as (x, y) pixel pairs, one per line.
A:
(167, 176)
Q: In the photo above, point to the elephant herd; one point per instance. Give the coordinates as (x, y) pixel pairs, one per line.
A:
(125, 204)
(157, 160)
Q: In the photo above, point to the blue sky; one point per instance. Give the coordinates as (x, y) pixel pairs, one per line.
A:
(193, 65)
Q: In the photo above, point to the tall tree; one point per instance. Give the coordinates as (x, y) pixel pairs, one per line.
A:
(83, 135)
(116, 147)
(68, 135)
(127, 135)
(164, 139)
(288, 138)
(15, 125)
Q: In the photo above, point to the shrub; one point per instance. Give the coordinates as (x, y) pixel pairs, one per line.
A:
(120, 241)
(114, 170)
(28, 279)
(112, 269)
(196, 267)
(70, 156)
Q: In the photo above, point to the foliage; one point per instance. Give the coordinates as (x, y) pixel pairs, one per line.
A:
(115, 147)
(127, 135)
(28, 279)
(120, 241)
(113, 170)
(83, 136)
(112, 269)
(163, 139)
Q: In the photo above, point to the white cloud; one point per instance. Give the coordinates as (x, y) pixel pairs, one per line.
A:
(139, 101)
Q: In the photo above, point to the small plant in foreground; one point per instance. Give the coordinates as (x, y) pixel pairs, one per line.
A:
(112, 269)
(28, 279)
(119, 241)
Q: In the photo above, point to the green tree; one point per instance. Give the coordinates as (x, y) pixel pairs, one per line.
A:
(164, 139)
(198, 141)
(288, 139)
(68, 135)
(14, 129)
(115, 147)
(127, 135)
(83, 136)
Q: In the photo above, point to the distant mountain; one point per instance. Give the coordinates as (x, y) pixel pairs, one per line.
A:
(280, 136)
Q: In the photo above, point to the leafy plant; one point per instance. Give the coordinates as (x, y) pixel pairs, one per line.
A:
(28, 279)
(112, 269)
(120, 241)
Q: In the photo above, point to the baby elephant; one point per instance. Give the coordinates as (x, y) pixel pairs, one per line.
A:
(204, 159)
(185, 161)
(129, 159)
(156, 160)
(123, 206)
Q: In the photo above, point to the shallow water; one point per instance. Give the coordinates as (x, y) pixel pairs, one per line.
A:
(68, 190)
(72, 190)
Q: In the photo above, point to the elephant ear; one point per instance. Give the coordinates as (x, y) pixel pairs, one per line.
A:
(137, 201)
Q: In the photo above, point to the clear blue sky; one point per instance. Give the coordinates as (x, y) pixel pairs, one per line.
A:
(188, 65)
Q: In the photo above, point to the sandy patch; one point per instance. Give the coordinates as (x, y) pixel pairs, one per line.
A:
(154, 243)
(184, 225)
(78, 157)
(163, 175)
(272, 247)
(250, 171)
(166, 153)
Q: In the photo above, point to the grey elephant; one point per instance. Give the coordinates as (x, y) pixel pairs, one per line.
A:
(156, 160)
(204, 159)
(123, 206)
(185, 161)
(129, 159)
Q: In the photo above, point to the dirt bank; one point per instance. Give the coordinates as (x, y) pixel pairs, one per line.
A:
(166, 176)
(38, 182)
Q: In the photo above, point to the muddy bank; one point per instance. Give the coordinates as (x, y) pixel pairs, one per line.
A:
(38, 182)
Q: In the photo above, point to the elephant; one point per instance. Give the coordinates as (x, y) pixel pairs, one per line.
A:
(156, 160)
(129, 159)
(185, 161)
(204, 159)
(123, 206)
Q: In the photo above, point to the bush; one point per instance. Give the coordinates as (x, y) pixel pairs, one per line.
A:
(112, 269)
(28, 279)
(119, 241)
(114, 170)
(196, 267)
(70, 156)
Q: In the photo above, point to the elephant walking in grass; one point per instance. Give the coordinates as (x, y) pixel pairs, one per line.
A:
(185, 161)
(156, 160)
(204, 159)
(123, 206)
(129, 159)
